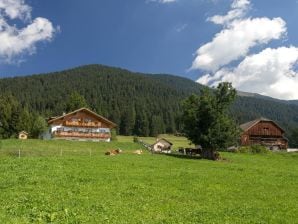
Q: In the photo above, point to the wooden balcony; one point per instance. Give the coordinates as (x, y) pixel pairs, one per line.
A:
(61, 134)
(82, 124)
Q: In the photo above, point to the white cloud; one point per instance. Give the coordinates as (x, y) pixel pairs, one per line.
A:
(162, 1)
(15, 9)
(15, 42)
(235, 41)
(239, 9)
(270, 72)
(180, 28)
(167, 1)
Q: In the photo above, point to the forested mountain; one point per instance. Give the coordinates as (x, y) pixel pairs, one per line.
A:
(141, 104)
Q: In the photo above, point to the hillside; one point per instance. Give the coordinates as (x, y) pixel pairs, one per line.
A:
(141, 104)
(74, 182)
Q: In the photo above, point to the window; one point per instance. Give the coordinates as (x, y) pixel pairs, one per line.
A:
(265, 131)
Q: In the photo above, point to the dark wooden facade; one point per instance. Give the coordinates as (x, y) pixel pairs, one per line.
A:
(82, 124)
(263, 132)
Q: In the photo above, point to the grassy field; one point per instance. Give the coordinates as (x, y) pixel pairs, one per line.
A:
(177, 141)
(45, 186)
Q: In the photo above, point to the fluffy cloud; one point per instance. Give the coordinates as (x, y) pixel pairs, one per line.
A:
(235, 41)
(15, 42)
(167, 1)
(162, 1)
(15, 9)
(270, 72)
(238, 10)
(237, 38)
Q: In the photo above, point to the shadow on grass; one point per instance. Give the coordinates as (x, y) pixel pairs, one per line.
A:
(182, 156)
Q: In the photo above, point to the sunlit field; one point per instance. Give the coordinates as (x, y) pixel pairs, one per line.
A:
(74, 182)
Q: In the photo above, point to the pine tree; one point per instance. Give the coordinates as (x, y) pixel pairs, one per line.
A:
(75, 101)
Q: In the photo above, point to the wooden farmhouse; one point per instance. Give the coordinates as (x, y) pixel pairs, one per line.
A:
(263, 132)
(162, 145)
(82, 124)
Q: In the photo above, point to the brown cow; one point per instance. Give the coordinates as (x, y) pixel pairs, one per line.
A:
(113, 152)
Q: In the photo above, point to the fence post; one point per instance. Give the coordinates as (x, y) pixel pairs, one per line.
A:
(90, 152)
(19, 153)
(60, 151)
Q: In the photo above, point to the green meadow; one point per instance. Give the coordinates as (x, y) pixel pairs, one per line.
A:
(74, 182)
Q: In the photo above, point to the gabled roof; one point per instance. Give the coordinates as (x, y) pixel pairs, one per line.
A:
(250, 124)
(163, 140)
(86, 110)
(23, 132)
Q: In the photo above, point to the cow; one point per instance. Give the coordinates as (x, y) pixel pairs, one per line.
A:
(113, 152)
(138, 152)
(190, 151)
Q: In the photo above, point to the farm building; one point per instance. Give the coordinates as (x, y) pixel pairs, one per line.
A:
(82, 124)
(265, 132)
(23, 135)
(162, 145)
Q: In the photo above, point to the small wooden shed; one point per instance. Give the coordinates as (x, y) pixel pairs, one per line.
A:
(162, 145)
(23, 135)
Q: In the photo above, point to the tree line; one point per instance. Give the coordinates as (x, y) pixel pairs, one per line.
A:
(140, 104)
(15, 118)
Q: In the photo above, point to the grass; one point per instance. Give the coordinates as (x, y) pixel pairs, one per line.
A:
(177, 141)
(45, 187)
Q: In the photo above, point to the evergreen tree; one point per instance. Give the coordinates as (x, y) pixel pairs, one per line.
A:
(294, 138)
(9, 115)
(157, 126)
(141, 125)
(127, 121)
(75, 101)
(25, 121)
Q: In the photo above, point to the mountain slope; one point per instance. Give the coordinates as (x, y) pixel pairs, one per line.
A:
(140, 104)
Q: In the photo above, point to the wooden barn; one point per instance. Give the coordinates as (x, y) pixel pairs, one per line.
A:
(82, 124)
(162, 146)
(265, 132)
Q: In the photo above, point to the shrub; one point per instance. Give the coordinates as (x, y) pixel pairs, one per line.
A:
(135, 139)
(114, 135)
(255, 149)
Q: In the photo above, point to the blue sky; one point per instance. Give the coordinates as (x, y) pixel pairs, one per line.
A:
(149, 36)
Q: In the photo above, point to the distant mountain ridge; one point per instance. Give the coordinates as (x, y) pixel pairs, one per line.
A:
(141, 104)
(259, 96)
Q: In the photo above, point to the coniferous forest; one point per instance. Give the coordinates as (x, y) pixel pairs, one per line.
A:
(141, 104)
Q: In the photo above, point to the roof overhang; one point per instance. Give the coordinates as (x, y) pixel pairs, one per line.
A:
(112, 124)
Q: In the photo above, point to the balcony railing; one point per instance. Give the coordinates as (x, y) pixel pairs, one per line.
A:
(82, 124)
(62, 134)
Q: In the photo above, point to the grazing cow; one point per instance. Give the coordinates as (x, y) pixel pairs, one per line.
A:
(113, 152)
(138, 152)
(190, 151)
(181, 150)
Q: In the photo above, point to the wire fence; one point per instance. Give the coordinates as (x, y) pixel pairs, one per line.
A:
(59, 152)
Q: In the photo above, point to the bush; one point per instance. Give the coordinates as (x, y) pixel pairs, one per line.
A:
(135, 139)
(255, 149)
(114, 135)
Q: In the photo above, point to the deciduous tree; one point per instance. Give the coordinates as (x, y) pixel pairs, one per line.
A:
(206, 120)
